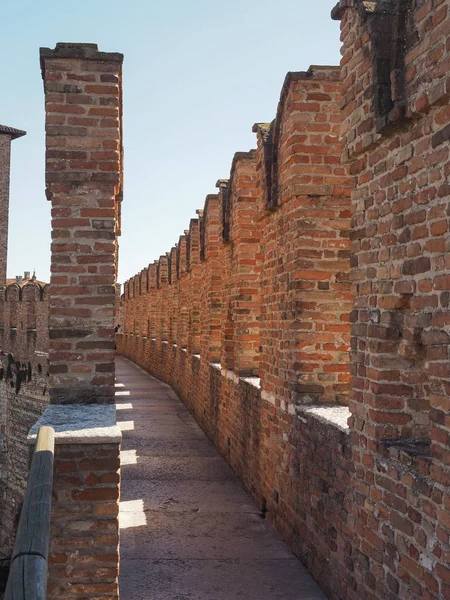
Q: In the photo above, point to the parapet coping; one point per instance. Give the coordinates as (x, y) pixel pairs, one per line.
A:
(79, 424)
(366, 7)
(330, 415)
(82, 51)
(12, 132)
(254, 381)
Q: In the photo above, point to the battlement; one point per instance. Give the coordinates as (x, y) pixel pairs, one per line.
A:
(211, 292)
(303, 316)
(27, 291)
(24, 310)
(318, 278)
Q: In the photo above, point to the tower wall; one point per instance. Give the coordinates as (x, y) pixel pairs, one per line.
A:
(5, 157)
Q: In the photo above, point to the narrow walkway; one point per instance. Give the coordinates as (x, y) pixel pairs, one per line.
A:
(188, 530)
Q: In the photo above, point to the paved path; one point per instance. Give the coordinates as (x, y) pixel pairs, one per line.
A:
(188, 530)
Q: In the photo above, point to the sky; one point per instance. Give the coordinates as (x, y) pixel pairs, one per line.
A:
(197, 75)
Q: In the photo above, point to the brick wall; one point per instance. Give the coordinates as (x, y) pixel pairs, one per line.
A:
(24, 321)
(306, 296)
(397, 148)
(20, 407)
(23, 392)
(241, 234)
(296, 464)
(84, 184)
(84, 548)
(254, 295)
(253, 304)
(358, 158)
(5, 159)
(23, 365)
(7, 135)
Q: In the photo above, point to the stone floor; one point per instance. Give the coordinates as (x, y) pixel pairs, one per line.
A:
(188, 530)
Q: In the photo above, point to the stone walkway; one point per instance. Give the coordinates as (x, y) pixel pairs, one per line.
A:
(188, 530)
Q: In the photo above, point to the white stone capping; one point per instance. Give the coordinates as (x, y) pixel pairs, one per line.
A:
(228, 374)
(79, 424)
(330, 415)
(271, 398)
(254, 381)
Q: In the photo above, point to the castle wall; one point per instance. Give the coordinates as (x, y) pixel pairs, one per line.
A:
(305, 285)
(394, 69)
(248, 320)
(365, 506)
(248, 317)
(23, 393)
(19, 410)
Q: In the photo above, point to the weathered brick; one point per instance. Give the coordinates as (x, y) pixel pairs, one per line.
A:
(79, 163)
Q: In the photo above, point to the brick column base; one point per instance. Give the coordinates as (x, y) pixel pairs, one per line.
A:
(84, 533)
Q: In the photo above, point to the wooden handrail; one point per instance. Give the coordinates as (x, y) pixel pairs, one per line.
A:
(28, 571)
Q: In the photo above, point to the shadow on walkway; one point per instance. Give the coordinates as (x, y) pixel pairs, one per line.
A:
(188, 530)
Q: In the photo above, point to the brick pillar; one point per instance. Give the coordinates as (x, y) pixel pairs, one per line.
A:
(305, 282)
(212, 296)
(127, 317)
(7, 134)
(141, 291)
(183, 284)
(144, 300)
(245, 235)
(117, 309)
(172, 307)
(227, 331)
(152, 306)
(136, 293)
(163, 284)
(194, 337)
(83, 177)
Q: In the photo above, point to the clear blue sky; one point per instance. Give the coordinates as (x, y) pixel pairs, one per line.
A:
(197, 75)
